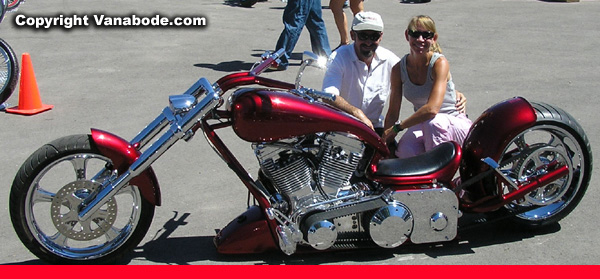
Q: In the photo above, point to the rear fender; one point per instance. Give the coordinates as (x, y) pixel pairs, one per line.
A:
(123, 155)
(491, 133)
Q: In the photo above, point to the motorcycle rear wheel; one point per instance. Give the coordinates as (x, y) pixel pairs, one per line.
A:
(9, 71)
(45, 195)
(555, 138)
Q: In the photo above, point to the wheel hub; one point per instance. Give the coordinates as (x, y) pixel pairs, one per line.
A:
(64, 212)
(536, 164)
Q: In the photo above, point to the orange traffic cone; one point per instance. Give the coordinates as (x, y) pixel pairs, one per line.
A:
(29, 95)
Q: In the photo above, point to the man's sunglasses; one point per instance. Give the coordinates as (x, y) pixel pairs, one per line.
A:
(425, 34)
(364, 36)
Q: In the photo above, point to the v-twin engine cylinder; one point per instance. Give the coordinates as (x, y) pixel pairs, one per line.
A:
(311, 170)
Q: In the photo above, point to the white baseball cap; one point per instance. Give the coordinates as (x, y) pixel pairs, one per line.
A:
(367, 21)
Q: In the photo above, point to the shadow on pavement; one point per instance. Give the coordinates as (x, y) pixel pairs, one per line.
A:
(238, 66)
(230, 66)
(198, 249)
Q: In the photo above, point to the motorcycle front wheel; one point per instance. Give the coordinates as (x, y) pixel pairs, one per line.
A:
(44, 200)
(556, 139)
(9, 71)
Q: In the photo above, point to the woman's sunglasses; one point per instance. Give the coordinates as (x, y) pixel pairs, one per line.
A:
(425, 34)
(364, 36)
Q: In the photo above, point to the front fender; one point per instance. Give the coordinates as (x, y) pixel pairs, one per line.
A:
(123, 155)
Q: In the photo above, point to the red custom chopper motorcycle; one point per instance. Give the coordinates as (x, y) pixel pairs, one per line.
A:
(325, 180)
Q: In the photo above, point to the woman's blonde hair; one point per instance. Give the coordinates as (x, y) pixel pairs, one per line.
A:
(428, 23)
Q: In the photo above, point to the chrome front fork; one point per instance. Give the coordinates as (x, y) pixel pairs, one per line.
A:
(182, 114)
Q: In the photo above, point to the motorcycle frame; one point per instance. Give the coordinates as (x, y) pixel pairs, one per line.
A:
(131, 165)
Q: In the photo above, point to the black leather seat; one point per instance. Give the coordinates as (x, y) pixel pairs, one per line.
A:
(423, 164)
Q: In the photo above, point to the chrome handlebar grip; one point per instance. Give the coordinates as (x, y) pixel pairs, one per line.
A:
(272, 57)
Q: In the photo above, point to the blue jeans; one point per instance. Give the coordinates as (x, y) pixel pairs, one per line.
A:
(296, 15)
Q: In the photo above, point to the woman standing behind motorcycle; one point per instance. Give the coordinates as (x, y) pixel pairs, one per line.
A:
(423, 77)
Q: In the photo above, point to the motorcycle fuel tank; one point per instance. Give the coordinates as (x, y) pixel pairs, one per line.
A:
(264, 116)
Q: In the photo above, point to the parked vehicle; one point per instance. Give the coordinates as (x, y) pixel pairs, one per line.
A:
(12, 5)
(325, 181)
(9, 72)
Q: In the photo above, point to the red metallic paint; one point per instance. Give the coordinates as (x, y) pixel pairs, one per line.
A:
(123, 155)
(248, 233)
(490, 135)
(245, 78)
(265, 116)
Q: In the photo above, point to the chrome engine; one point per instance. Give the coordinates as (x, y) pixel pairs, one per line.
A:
(318, 205)
(311, 173)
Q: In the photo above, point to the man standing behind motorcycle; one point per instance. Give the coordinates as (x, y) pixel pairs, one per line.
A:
(423, 77)
(359, 73)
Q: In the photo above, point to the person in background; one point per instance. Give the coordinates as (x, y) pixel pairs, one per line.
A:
(423, 77)
(296, 15)
(337, 8)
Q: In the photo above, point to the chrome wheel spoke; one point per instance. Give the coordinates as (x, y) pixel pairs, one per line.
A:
(71, 218)
(59, 239)
(99, 217)
(537, 162)
(71, 202)
(41, 195)
(111, 234)
(86, 226)
(79, 166)
(556, 141)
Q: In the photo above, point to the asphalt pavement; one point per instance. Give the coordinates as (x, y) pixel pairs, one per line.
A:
(118, 79)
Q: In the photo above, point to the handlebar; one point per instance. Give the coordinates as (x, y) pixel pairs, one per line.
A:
(267, 59)
(309, 59)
